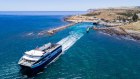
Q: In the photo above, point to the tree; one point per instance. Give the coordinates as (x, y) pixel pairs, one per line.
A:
(135, 17)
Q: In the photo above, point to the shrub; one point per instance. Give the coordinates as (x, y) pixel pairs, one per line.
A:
(135, 17)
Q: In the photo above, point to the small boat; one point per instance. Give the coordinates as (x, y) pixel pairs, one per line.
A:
(87, 29)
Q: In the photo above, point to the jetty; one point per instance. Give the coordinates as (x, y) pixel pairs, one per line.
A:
(54, 30)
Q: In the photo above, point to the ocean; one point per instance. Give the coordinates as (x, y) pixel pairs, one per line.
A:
(94, 56)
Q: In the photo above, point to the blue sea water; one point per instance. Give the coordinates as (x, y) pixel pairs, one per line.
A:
(94, 56)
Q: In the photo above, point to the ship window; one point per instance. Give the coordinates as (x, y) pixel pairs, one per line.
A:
(32, 56)
(30, 61)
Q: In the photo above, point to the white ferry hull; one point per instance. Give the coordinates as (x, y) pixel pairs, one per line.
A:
(36, 68)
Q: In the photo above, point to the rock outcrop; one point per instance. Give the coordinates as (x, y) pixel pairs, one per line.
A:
(119, 31)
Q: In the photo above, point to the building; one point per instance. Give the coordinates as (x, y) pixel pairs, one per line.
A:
(138, 15)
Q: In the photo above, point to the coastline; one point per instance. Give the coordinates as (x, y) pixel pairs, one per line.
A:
(123, 30)
(112, 26)
(81, 18)
(119, 31)
(110, 18)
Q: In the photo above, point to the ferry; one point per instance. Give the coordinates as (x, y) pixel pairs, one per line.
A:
(38, 58)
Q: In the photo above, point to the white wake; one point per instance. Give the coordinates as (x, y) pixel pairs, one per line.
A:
(70, 40)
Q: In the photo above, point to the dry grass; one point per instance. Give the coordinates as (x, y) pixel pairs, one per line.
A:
(132, 26)
(112, 14)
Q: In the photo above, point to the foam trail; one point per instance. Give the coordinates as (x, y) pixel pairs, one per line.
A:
(70, 40)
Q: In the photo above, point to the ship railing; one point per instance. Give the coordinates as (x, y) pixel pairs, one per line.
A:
(52, 48)
(44, 47)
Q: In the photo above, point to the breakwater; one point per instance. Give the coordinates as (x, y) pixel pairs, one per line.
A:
(54, 30)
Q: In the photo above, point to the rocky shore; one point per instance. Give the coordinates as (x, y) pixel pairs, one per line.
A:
(119, 31)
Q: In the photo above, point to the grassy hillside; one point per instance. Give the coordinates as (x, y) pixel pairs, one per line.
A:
(113, 13)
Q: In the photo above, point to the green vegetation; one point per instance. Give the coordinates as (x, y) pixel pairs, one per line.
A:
(135, 17)
(127, 14)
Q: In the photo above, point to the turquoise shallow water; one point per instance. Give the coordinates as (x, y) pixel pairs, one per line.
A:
(94, 56)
